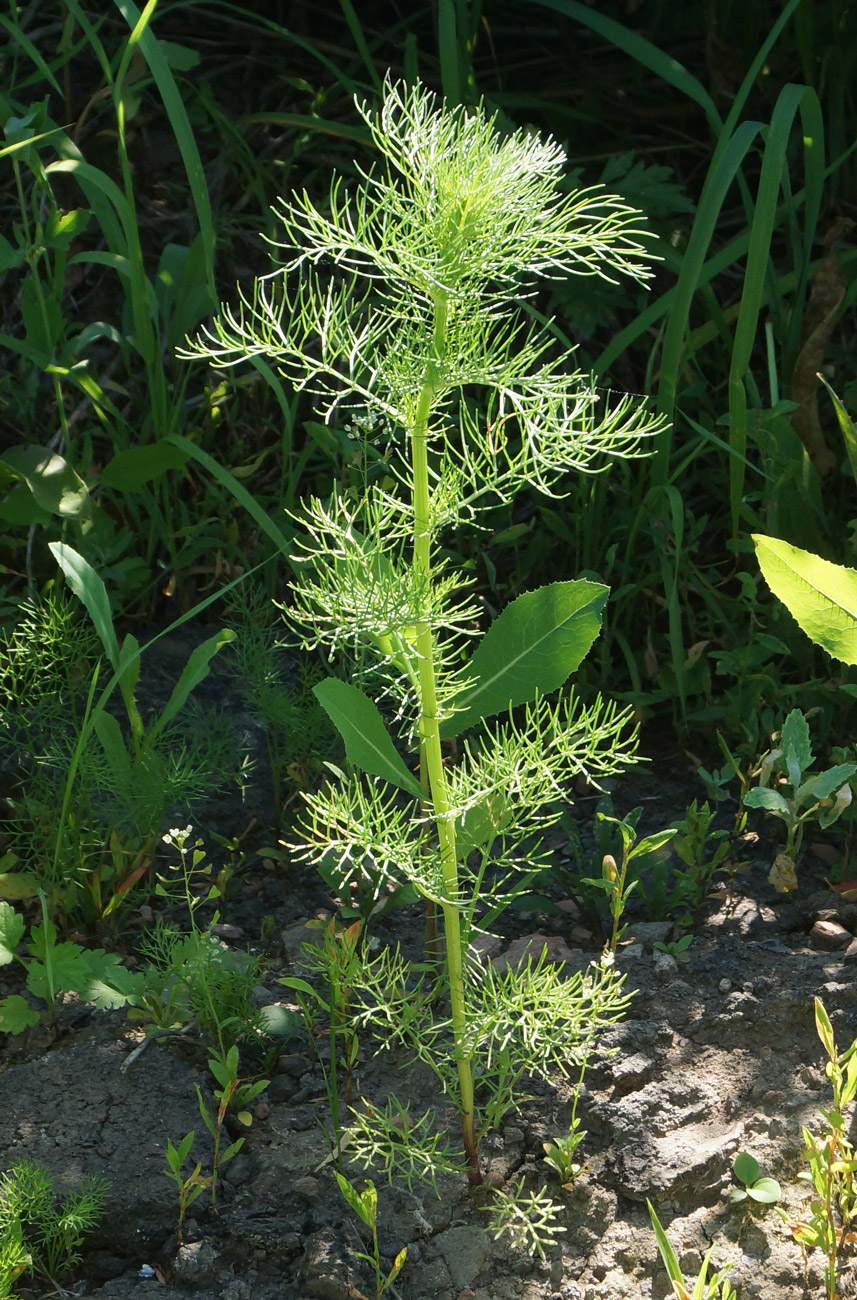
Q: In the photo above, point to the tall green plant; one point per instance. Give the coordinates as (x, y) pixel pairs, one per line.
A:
(705, 333)
(394, 303)
(51, 243)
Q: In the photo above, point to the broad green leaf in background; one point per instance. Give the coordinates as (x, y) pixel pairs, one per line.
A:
(15, 884)
(133, 468)
(822, 596)
(54, 484)
(530, 650)
(482, 823)
(368, 744)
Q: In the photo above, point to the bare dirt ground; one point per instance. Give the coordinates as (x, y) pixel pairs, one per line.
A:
(717, 1054)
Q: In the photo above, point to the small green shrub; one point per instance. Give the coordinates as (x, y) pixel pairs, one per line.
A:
(39, 1233)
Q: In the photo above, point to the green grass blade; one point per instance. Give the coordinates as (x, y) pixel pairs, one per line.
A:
(716, 441)
(815, 173)
(337, 74)
(668, 1255)
(350, 15)
(20, 38)
(181, 127)
(102, 194)
(97, 186)
(195, 671)
(753, 294)
(670, 574)
(20, 145)
(305, 122)
(94, 710)
(281, 541)
(717, 185)
(755, 68)
(717, 263)
(93, 40)
(644, 53)
(847, 426)
(447, 40)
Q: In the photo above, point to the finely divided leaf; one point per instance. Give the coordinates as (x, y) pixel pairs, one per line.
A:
(368, 744)
(821, 596)
(529, 650)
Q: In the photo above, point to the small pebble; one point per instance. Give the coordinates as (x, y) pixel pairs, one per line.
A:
(725, 985)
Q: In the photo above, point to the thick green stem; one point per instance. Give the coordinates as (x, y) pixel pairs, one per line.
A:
(430, 747)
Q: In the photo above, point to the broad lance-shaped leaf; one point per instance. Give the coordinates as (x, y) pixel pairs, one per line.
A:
(368, 744)
(195, 671)
(822, 596)
(89, 588)
(529, 650)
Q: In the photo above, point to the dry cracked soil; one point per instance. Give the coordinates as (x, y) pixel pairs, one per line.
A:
(716, 1055)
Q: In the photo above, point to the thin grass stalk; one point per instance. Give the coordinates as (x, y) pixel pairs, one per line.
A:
(448, 49)
(150, 48)
(791, 100)
(282, 541)
(661, 309)
(733, 141)
(349, 13)
(644, 53)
